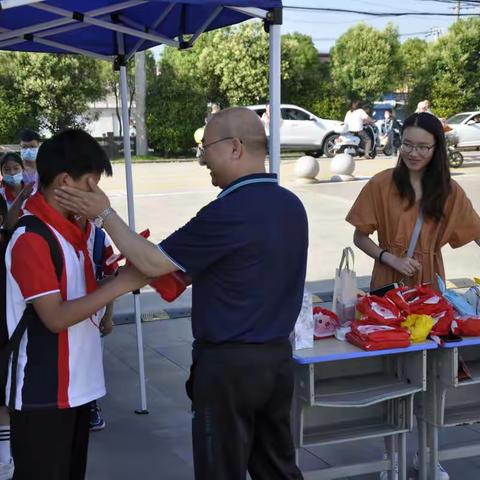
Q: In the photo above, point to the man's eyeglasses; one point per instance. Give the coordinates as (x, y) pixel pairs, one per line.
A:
(422, 150)
(201, 149)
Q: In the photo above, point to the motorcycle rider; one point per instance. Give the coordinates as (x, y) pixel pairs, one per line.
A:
(389, 128)
(355, 120)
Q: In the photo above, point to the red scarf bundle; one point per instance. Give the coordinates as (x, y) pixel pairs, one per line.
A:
(73, 234)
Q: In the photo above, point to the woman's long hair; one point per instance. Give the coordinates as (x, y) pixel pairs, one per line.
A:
(436, 182)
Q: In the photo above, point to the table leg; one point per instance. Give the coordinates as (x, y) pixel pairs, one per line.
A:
(422, 448)
(433, 441)
(402, 456)
(392, 453)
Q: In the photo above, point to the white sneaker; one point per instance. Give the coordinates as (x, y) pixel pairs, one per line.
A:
(384, 475)
(6, 471)
(442, 474)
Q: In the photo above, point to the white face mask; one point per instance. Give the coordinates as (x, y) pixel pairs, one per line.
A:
(29, 154)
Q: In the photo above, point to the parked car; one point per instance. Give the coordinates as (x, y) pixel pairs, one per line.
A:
(301, 130)
(467, 128)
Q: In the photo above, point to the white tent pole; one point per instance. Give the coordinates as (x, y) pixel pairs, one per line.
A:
(275, 96)
(131, 222)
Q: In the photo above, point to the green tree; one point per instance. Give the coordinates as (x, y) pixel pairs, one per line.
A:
(111, 81)
(455, 63)
(56, 88)
(366, 61)
(415, 78)
(229, 67)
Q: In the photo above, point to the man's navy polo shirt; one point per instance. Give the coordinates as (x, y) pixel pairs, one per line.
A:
(247, 253)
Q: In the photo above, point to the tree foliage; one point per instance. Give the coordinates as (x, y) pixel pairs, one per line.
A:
(230, 67)
(455, 63)
(54, 90)
(365, 62)
(415, 68)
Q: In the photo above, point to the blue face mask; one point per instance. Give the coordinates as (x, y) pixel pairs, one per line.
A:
(29, 154)
(13, 179)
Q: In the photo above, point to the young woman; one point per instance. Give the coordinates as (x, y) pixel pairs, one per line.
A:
(392, 200)
(390, 204)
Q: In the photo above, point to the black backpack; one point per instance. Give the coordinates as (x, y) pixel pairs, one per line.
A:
(9, 346)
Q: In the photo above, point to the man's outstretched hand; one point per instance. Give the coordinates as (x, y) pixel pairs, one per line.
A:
(88, 203)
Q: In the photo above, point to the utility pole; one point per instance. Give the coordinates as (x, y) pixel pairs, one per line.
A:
(458, 9)
(140, 98)
(435, 32)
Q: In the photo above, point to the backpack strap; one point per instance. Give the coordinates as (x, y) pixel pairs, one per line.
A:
(98, 244)
(34, 225)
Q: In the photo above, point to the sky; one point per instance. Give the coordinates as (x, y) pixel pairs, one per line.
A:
(326, 27)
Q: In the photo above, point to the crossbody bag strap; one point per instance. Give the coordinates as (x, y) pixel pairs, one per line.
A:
(35, 225)
(416, 234)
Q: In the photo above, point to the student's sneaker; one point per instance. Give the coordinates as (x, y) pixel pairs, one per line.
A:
(442, 474)
(384, 475)
(6, 470)
(96, 420)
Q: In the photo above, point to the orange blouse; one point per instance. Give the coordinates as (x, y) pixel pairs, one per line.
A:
(380, 208)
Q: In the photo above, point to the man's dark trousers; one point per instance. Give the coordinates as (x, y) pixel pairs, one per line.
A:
(242, 395)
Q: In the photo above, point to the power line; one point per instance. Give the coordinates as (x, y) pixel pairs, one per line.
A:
(378, 14)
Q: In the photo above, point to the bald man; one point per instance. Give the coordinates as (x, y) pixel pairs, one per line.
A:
(246, 253)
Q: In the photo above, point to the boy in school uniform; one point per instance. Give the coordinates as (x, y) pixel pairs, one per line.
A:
(59, 370)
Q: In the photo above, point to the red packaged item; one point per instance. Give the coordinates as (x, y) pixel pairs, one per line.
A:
(398, 297)
(326, 322)
(423, 300)
(466, 326)
(119, 256)
(378, 337)
(378, 310)
(170, 286)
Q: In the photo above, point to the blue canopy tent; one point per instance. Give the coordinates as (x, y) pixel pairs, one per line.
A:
(115, 30)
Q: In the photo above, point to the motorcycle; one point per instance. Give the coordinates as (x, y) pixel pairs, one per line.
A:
(352, 144)
(455, 158)
(390, 142)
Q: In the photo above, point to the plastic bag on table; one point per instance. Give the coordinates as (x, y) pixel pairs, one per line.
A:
(466, 326)
(345, 288)
(378, 310)
(378, 337)
(326, 322)
(419, 327)
(302, 334)
(457, 300)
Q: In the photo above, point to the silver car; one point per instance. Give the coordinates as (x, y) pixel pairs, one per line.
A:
(467, 128)
(301, 130)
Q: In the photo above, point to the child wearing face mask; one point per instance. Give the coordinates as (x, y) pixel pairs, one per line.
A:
(29, 143)
(13, 188)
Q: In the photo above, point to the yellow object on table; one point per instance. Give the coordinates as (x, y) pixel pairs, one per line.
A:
(419, 327)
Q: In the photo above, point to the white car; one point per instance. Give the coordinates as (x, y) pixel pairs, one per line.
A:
(467, 128)
(301, 130)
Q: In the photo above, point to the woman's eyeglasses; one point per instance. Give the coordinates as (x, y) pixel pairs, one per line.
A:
(422, 150)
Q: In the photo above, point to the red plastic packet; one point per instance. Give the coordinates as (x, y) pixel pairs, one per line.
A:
(378, 310)
(119, 256)
(466, 326)
(378, 337)
(170, 286)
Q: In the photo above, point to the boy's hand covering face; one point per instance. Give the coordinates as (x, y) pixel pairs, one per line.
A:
(88, 203)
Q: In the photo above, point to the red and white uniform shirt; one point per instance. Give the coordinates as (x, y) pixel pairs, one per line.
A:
(54, 370)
